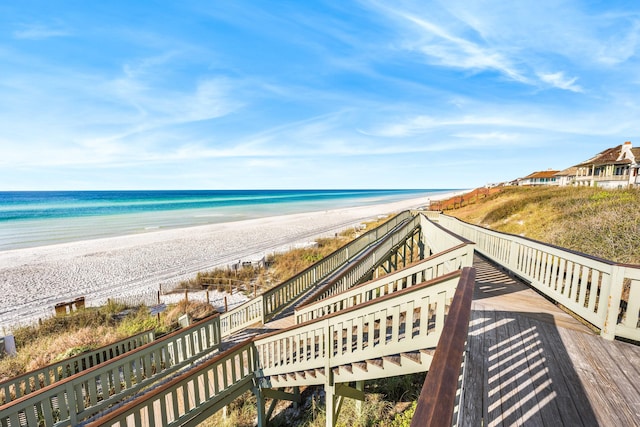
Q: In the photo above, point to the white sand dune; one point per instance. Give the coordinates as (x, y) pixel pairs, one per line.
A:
(33, 280)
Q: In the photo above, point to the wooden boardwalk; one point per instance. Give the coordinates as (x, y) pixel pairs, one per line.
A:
(531, 364)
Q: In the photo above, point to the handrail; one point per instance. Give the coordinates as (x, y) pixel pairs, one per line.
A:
(254, 364)
(264, 306)
(429, 268)
(354, 273)
(437, 399)
(276, 298)
(36, 379)
(438, 238)
(215, 383)
(603, 293)
(407, 320)
(79, 396)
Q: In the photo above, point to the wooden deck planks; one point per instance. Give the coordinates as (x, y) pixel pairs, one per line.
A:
(532, 364)
(565, 386)
(622, 396)
(506, 362)
(473, 398)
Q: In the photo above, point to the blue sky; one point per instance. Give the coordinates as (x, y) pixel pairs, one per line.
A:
(310, 94)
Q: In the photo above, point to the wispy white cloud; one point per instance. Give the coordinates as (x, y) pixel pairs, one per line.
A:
(457, 52)
(560, 81)
(40, 32)
(516, 39)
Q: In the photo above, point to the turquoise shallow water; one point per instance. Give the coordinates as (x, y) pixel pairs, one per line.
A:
(29, 219)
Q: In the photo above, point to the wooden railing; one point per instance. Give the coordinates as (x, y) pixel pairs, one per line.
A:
(34, 380)
(437, 399)
(407, 320)
(602, 292)
(366, 264)
(263, 307)
(437, 238)
(78, 397)
(276, 298)
(192, 397)
(242, 316)
(429, 268)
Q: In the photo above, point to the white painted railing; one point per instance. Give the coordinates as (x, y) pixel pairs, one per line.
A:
(407, 320)
(432, 215)
(602, 292)
(437, 238)
(242, 316)
(73, 399)
(418, 272)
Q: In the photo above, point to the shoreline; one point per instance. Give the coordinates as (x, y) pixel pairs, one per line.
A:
(33, 280)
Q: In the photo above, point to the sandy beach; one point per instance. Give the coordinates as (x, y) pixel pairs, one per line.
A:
(33, 280)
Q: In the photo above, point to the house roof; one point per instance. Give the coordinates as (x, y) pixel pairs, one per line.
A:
(609, 156)
(542, 174)
(568, 171)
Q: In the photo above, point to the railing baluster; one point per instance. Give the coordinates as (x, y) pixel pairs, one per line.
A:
(590, 287)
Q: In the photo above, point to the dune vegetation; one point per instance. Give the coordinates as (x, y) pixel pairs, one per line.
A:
(595, 221)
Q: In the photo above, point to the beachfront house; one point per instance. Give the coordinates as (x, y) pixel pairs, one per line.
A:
(612, 168)
(567, 176)
(547, 177)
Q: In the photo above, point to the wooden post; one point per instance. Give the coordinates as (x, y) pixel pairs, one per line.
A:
(359, 386)
(159, 304)
(226, 307)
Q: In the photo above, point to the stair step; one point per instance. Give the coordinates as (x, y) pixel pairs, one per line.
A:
(360, 365)
(311, 373)
(347, 368)
(395, 359)
(414, 356)
(375, 362)
(429, 351)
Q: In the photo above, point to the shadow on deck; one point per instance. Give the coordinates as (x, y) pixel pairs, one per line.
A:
(529, 363)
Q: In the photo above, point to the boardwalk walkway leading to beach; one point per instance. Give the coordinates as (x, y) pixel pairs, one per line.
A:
(530, 363)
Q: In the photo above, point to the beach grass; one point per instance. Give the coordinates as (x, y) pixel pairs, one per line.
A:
(594, 221)
(281, 266)
(60, 337)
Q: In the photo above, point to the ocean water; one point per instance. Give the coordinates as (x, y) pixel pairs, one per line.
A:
(29, 219)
